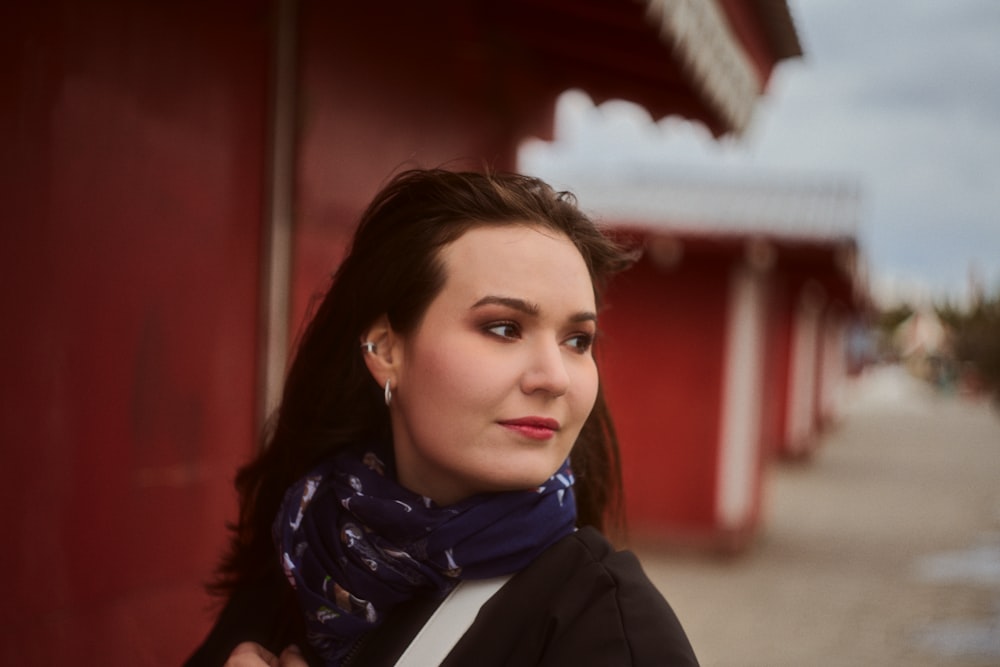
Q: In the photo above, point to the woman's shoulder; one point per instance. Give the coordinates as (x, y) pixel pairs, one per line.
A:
(582, 602)
(586, 554)
(591, 543)
(587, 559)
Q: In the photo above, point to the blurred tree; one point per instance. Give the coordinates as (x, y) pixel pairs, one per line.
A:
(977, 342)
(891, 318)
(886, 323)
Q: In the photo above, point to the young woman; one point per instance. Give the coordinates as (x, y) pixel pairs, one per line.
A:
(442, 422)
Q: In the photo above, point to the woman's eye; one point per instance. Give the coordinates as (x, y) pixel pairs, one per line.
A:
(507, 330)
(580, 342)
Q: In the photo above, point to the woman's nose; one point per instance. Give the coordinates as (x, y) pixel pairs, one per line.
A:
(545, 370)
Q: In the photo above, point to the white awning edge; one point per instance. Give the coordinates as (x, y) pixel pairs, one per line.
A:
(699, 34)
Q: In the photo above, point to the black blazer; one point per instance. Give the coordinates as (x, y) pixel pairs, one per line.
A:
(580, 604)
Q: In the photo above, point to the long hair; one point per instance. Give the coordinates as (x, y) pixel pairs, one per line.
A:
(393, 267)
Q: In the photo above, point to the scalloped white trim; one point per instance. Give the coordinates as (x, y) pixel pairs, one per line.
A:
(707, 48)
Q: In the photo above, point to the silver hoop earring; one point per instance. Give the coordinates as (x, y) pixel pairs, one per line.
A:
(368, 347)
(388, 393)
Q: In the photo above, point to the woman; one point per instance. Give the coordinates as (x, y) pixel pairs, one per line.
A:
(442, 423)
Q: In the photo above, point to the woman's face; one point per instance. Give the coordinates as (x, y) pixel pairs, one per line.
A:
(494, 385)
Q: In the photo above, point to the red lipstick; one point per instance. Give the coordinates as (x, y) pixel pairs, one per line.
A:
(536, 428)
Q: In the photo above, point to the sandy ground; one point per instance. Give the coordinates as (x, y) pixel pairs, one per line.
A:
(884, 549)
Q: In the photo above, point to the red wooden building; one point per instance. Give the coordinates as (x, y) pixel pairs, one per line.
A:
(178, 178)
(725, 344)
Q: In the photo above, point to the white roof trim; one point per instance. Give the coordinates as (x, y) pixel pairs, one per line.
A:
(789, 209)
(707, 48)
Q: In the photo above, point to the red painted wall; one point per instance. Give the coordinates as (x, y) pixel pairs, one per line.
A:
(661, 365)
(815, 269)
(661, 368)
(373, 106)
(777, 361)
(131, 190)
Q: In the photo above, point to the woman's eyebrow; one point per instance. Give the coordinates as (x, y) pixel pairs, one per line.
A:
(510, 302)
(528, 308)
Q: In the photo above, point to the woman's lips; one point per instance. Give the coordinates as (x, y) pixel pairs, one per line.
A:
(536, 428)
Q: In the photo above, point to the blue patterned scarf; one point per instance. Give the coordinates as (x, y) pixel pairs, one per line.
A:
(354, 543)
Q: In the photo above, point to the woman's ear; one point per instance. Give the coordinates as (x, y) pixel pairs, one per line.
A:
(382, 350)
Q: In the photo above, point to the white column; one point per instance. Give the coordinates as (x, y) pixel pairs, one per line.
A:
(740, 427)
(834, 369)
(801, 399)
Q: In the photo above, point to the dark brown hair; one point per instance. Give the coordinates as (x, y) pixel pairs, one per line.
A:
(393, 268)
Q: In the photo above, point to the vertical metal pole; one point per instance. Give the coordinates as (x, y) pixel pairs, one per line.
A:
(276, 244)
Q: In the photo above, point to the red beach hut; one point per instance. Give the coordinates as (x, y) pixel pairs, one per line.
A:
(725, 344)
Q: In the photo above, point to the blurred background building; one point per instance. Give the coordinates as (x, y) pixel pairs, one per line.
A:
(727, 344)
(180, 178)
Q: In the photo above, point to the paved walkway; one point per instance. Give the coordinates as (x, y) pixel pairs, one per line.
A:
(883, 550)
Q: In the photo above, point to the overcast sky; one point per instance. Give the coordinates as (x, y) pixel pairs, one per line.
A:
(901, 96)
